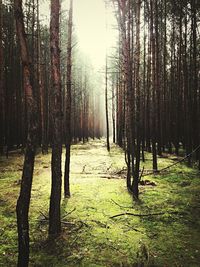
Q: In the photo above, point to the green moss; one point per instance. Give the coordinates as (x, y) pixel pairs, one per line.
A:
(90, 238)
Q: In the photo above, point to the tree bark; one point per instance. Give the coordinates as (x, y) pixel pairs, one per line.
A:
(23, 201)
(153, 130)
(113, 110)
(1, 83)
(106, 107)
(68, 105)
(56, 122)
(138, 109)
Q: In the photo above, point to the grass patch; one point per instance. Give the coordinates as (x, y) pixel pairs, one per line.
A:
(90, 237)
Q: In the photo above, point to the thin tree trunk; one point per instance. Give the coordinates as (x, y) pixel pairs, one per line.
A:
(153, 130)
(148, 93)
(138, 109)
(68, 105)
(23, 201)
(157, 82)
(106, 106)
(56, 122)
(113, 110)
(1, 83)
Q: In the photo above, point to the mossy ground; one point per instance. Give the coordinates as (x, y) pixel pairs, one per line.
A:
(90, 237)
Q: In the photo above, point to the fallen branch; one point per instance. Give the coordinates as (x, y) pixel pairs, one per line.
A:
(109, 167)
(174, 164)
(134, 229)
(68, 213)
(147, 182)
(100, 223)
(145, 215)
(121, 171)
(45, 216)
(110, 177)
(75, 229)
(67, 223)
(121, 205)
(74, 241)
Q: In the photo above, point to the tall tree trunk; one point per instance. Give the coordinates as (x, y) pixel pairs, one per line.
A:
(113, 109)
(56, 122)
(23, 201)
(119, 112)
(46, 102)
(165, 123)
(157, 82)
(68, 104)
(1, 83)
(40, 77)
(195, 80)
(148, 90)
(153, 130)
(138, 109)
(106, 107)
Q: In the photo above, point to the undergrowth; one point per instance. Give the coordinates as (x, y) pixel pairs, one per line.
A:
(90, 237)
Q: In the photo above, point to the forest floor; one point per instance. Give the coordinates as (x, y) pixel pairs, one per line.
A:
(90, 237)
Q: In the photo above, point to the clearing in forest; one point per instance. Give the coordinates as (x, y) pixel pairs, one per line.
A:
(91, 237)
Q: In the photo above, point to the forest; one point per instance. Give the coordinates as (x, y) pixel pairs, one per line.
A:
(100, 150)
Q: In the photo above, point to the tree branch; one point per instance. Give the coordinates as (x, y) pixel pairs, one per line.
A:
(145, 215)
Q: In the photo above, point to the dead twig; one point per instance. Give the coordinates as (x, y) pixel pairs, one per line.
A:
(83, 168)
(109, 168)
(174, 164)
(121, 171)
(100, 224)
(75, 229)
(145, 215)
(134, 229)
(45, 216)
(110, 177)
(68, 213)
(74, 241)
(124, 207)
(81, 225)
(67, 223)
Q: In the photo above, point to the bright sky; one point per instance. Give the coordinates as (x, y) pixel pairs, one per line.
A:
(94, 37)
